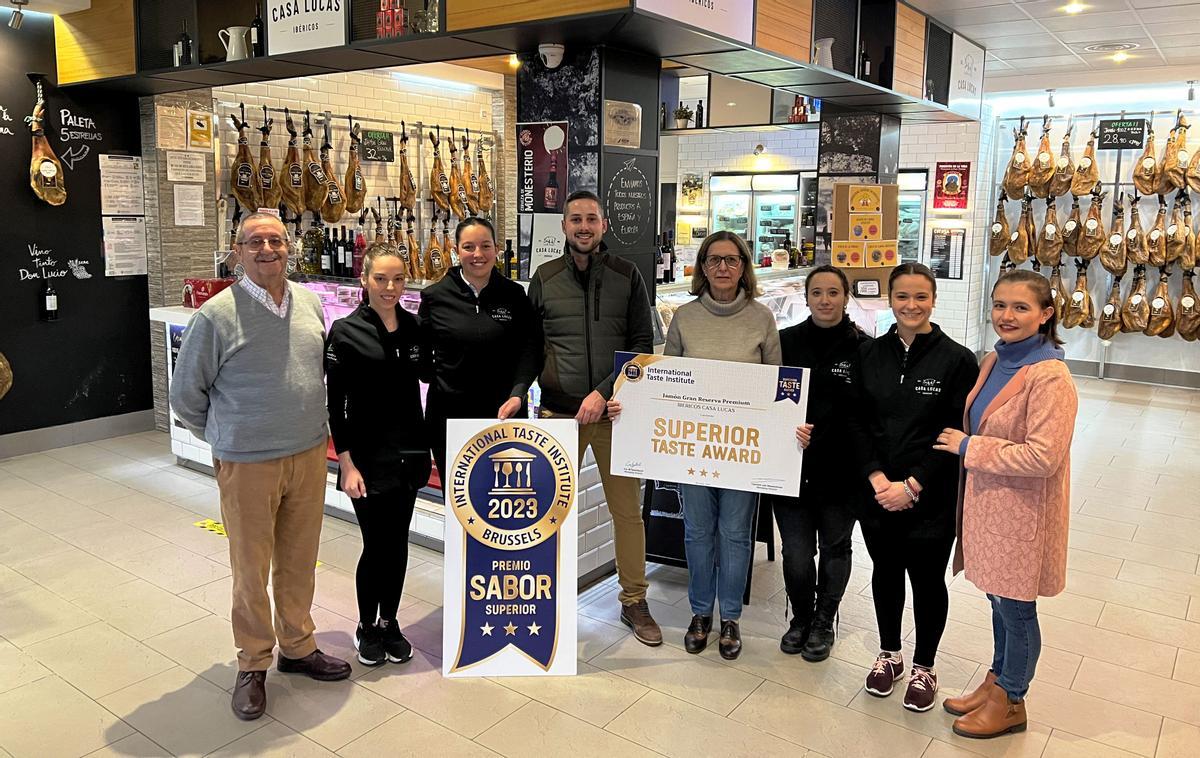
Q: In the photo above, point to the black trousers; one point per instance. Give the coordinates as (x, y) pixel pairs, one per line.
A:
(894, 554)
(439, 408)
(379, 580)
(815, 581)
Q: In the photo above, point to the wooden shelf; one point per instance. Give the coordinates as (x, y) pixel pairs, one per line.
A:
(739, 129)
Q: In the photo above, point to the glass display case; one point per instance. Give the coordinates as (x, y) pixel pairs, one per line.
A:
(765, 209)
(731, 197)
(783, 293)
(913, 185)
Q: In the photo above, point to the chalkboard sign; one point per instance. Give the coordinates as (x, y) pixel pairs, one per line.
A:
(629, 200)
(377, 146)
(1122, 134)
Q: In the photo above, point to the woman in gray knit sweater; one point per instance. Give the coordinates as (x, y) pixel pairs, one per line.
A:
(723, 323)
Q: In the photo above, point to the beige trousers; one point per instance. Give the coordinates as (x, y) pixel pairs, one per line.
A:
(273, 512)
(623, 495)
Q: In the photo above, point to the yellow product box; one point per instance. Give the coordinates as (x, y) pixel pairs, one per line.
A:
(882, 254)
(866, 198)
(848, 254)
(866, 226)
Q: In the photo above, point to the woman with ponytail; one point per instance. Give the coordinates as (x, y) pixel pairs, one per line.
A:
(1014, 506)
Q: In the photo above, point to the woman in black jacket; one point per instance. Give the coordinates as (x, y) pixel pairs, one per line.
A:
(372, 368)
(827, 344)
(914, 383)
(482, 344)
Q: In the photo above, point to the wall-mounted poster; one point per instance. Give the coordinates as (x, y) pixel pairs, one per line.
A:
(541, 166)
(952, 184)
(731, 18)
(946, 252)
(294, 26)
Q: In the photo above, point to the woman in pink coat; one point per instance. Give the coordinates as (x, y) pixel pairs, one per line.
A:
(1015, 501)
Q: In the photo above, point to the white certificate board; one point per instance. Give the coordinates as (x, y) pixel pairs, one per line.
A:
(121, 186)
(511, 548)
(712, 423)
(124, 245)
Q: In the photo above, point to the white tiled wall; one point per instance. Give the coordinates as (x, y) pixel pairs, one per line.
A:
(959, 303)
(381, 94)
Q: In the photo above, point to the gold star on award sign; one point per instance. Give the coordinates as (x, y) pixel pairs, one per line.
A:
(716, 474)
(486, 629)
(534, 628)
(691, 472)
(703, 472)
(510, 630)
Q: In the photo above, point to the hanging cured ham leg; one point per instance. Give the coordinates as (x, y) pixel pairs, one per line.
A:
(45, 170)
(1079, 310)
(1156, 240)
(269, 187)
(1087, 173)
(355, 185)
(1058, 293)
(316, 184)
(335, 199)
(439, 180)
(1188, 321)
(1064, 168)
(408, 185)
(1092, 238)
(1135, 311)
(470, 179)
(1020, 239)
(1137, 250)
(242, 174)
(1048, 248)
(1187, 258)
(418, 272)
(1162, 315)
(291, 183)
(1072, 229)
(1112, 254)
(1176, 234)
(1146, 168)
(999, 233)
(1016, 176)
(487, 193)
(458, 193)
(1042, 170)
(1110, 315)
(1175, 166)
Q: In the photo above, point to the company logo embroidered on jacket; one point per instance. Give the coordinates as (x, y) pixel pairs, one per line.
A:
(501, 314)
(414, 353)
(842, 371)
(931, 387)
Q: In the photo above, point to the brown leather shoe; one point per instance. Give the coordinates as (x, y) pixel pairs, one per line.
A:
(323, 668)
(730, 643)
(995, 717)
(636, 616)
(961, 706)
(696, 638)
(250, 695)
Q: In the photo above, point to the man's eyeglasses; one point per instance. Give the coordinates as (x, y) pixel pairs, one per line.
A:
(732, 262)
(258, 243)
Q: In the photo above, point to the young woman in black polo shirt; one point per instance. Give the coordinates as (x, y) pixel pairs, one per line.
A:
(913, 383)
(826, 343)
(372, 368)
(482, 343)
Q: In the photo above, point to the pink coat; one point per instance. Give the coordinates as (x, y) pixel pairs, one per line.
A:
(1014, 500)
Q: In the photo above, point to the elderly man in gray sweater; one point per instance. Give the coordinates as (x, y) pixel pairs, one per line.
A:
(249, 381)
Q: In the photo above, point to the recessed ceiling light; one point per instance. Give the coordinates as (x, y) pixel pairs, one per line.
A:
(1120, 56)
(1073, 8)
(1111, 47)
(730, 105)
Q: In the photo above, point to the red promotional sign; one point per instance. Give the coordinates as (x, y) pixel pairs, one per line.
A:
(951, 189)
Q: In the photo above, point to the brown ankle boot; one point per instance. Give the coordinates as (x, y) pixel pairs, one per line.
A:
(995, 717)
(961, 706)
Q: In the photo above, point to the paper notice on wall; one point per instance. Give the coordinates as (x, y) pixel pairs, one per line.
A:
(170, 128)
(121, 186)
(548, 241)
(185, 167)
(199, 130)
(189, 205)
(124, 245)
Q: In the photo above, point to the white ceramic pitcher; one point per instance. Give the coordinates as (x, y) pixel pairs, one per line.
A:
(234, 40)
(823, 52)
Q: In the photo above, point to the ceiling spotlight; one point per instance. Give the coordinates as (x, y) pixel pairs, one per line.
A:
(1120, 56)
(730, 105)
(14, 21)
(514, 61)
(759, 150)
(1050, 97)
(1073, 7)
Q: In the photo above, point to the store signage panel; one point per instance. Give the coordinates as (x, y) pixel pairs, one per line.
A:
(541, 166)
(946, 246)
(952, 185)
(378, 146)
(730, 18)
(295, 25)
(511, 543)
(1122, 134)
(966, 77)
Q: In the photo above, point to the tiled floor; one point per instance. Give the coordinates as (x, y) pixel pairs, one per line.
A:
(114, 638)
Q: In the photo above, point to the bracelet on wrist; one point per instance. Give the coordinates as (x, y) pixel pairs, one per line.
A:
(913, 496)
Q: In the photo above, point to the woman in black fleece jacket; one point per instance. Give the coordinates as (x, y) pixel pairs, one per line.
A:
(827, 344)
(914, 383)
(483, 346)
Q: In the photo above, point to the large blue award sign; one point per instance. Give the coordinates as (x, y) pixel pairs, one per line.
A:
(511, 548)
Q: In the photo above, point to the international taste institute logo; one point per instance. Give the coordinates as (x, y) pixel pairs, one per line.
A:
(511, 489)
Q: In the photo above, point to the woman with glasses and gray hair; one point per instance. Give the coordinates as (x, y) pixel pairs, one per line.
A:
(723, 323)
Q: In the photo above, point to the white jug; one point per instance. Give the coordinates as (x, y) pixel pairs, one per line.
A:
(234, 40)
(823, 52)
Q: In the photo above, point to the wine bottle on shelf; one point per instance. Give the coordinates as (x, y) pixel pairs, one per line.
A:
(864, 62)
(49, 300)
(660, 261)
(360, 249)
(551, 193)
(258, 37)
(662, 115)
(671, 259)
(699, 114)
(326, 253)
(185, 46)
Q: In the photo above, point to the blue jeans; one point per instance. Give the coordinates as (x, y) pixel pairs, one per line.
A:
(1018, 644)
(717, 543)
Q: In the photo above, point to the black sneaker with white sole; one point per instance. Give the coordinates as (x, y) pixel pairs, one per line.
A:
(396, 647)
(368, 641)
(886, 671)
